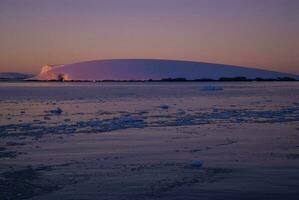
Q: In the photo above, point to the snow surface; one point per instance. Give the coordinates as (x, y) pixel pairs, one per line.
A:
(145, 69)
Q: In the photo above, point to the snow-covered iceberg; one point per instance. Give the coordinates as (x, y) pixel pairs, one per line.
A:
(145, 69)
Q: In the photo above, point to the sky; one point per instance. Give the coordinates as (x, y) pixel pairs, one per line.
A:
(257, 33)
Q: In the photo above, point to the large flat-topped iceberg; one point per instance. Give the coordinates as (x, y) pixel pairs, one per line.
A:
(145, 69)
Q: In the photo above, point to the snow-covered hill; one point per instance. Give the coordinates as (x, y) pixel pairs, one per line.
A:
(144, 69)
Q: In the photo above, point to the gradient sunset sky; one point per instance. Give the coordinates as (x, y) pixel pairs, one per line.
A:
(257, 33)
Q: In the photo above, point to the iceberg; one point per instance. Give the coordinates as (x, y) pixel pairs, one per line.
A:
(147, 69)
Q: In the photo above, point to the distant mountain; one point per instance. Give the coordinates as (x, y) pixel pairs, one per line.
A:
(145, 69)
(9, 76)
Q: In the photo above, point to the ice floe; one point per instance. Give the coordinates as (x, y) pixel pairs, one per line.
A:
(56, 111)
(197, 163)
(211, 88)
(164, 107)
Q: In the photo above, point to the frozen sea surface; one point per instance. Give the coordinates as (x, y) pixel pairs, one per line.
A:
(109, 139)
(53, 108)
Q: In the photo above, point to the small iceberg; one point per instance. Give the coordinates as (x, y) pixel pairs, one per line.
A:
(211, 88)
(196, 163)
(56, 111)
(164, 107)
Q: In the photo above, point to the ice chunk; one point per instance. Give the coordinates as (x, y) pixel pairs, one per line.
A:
(56, 111)
(196, 163)
(211, 88)
(164, 107)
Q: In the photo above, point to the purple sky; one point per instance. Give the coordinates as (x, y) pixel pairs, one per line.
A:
(257, 33)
